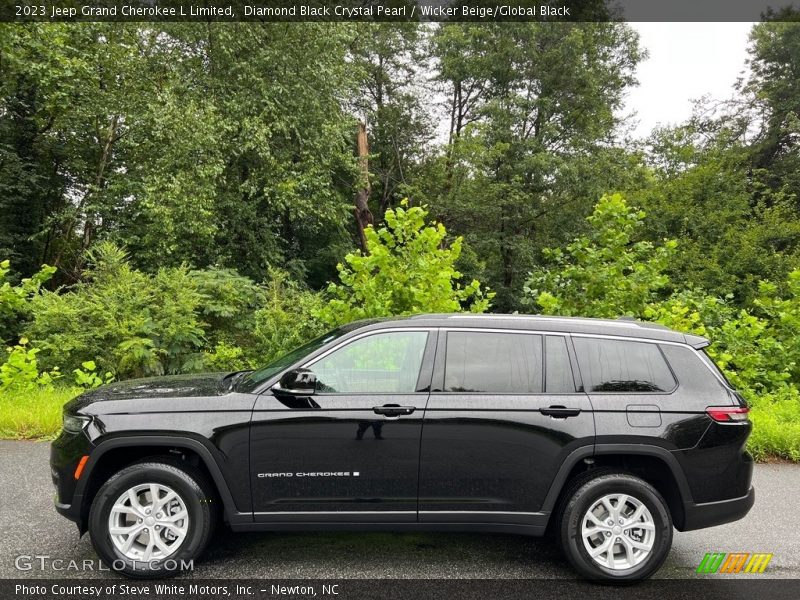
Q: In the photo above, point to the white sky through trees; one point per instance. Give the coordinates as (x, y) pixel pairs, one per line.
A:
(686, 62)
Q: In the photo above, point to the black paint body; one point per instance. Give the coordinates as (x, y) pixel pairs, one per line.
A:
(456, 460)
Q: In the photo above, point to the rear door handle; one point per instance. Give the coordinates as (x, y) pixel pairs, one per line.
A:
(393, 410)
(560, 412)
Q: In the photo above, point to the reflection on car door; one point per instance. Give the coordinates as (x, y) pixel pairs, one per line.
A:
(500, 421)
(351, 453)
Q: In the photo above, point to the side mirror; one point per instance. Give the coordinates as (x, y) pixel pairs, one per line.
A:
(298, 382)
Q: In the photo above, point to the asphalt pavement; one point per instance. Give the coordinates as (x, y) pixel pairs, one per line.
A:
(30, 527)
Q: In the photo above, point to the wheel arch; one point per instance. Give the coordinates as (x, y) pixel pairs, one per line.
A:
(110, 455)
(654, 464)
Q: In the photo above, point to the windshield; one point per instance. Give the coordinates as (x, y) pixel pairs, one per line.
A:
(258, 376)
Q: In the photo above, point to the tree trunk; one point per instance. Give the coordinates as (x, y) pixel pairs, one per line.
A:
(361, 210)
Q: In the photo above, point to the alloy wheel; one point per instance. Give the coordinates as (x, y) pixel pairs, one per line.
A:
(148, 522)
(618, 532)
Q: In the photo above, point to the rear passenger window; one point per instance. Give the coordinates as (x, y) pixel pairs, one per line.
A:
(503, 363)
(622, 366)
(558, 372)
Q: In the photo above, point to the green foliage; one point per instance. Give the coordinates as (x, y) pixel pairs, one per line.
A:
(227, 357)
(15, 299)
(607, 274)
(604, 273)
(34, 413)
(726, 246)
(776, 426)
(227, 307)
(20, 371)
(407, 269)
(128, 322)
(531, 107)
(87, 378)
(288, 318)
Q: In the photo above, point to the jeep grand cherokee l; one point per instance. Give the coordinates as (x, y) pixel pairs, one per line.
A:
(606, 433)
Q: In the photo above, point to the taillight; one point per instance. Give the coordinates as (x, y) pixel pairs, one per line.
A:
(728, 414)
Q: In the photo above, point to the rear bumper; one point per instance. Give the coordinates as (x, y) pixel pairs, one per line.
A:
(709, 514)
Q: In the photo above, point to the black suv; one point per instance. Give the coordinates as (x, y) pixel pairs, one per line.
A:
(606, 433)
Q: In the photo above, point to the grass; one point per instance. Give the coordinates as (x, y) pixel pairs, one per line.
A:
(34, 414)
(37, 415)
(776, 431)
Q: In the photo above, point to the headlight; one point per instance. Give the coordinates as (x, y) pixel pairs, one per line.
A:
(75, 423)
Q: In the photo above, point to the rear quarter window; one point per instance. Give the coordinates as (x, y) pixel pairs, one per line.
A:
(713, 367)
(620, 366)
(696, 371)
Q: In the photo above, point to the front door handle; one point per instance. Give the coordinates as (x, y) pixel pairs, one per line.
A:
(393, 410)
(560, 412)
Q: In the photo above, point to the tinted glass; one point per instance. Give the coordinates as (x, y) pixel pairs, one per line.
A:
(256, 377)
(693, 374)
(380, 363)
(508, 363)
(558, 372)
(622, 366)
(713, 366)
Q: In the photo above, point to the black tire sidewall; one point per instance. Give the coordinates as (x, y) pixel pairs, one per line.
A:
(197, 503)
(587, 495)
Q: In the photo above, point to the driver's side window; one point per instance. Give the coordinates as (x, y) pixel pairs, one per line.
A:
(381, 363)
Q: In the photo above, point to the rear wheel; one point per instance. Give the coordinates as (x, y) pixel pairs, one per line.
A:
(616, 527)
(152, 519)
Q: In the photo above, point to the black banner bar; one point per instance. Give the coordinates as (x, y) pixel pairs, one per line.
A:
(487, 11)
(719, 587)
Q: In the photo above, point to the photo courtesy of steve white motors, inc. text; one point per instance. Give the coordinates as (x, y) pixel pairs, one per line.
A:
(71, 590)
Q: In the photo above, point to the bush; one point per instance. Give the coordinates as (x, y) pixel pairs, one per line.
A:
(604, 273)
(227, 306)
(407, 269)
(20, 371)
(607, 274)
(289, 318)
(776, 425)
(15, 300)
(130, 323)
(286, 318)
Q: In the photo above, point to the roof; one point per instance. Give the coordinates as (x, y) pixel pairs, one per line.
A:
(623, 327)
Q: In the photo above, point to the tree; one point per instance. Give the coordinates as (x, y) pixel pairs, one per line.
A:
(775, 88)
(407, 269)
(217, 145)
(606, 273)
(541, 113)
(389, 60)
(726, 181)
(734, 230)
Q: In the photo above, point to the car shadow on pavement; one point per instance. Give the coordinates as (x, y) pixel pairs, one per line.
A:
(381, 555)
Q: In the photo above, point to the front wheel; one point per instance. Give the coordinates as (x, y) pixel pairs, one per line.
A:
(152, 519)
(616, 528)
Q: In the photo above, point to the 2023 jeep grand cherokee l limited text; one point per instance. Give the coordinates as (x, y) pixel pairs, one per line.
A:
(606, 433)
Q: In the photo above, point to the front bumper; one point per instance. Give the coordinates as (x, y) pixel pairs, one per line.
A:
(65, 454)
(709, 514)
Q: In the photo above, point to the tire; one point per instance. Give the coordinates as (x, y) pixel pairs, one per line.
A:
(626, 558)
(191, 512)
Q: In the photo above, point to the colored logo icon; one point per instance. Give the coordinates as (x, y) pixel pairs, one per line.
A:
(734, 562)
